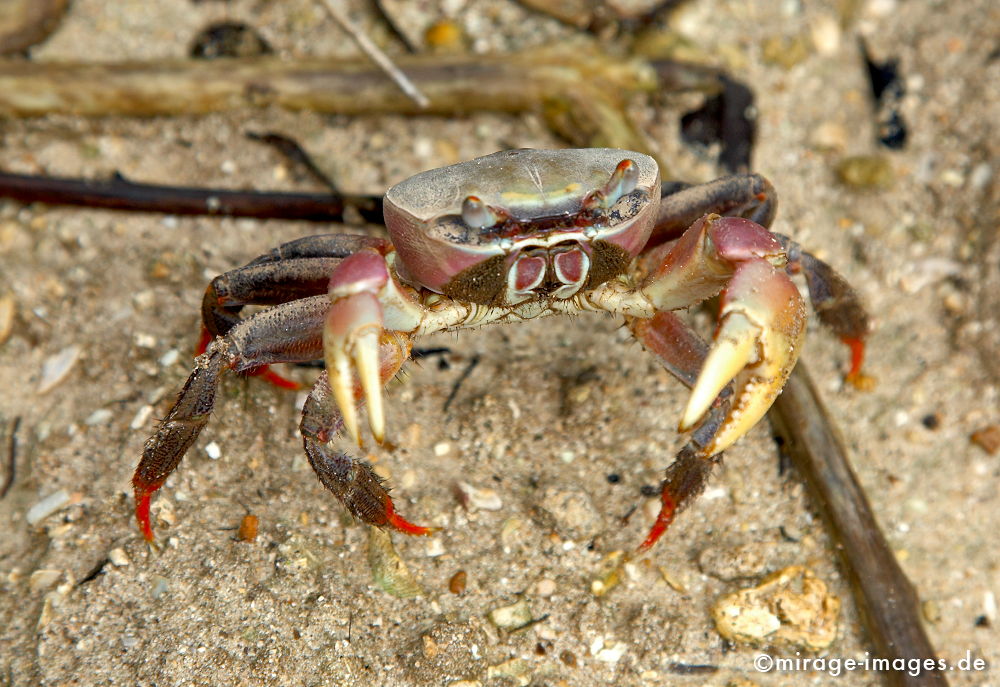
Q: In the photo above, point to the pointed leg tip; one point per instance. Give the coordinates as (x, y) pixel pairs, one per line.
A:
(403, 525)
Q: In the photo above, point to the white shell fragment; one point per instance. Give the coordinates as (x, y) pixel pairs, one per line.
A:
(98, 417)
(118, 557)
(141, 416)
(512, 617)
(41, 580)
(475, 498)
(51, 504)
(56, 367)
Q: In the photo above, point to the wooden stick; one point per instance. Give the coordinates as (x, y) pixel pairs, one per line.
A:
(887, 601)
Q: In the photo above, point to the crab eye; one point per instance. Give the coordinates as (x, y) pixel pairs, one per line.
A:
(622, 181)
(478, 215)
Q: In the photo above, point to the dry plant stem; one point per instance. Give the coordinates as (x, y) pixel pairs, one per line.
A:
(888, 602)
(581, 92)
(375, 53)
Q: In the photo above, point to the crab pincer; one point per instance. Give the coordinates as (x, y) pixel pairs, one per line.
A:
(759, 337)
(351, 337)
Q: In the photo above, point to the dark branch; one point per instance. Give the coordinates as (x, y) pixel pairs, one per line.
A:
(120, 194)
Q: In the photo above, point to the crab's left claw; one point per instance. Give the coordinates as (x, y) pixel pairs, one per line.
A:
(759, 337)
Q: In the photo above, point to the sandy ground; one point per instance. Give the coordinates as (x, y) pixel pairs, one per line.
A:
(298, 605)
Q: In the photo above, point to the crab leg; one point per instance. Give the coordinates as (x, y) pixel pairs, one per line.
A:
(287, 333)
(293, 270)
(743, 195)
(682, 352)
(836, 304)
(351, 480)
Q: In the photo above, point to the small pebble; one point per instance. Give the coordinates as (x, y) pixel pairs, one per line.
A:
(141, 416)
(41, 580)
(444, 36)
(51, 504)
(784, 51)
(408, 480)
(159, 587)
(791, 608)
(990, 605)
(610, 574)
(98, 417)
(145, 299)
(545, 587)
(516, 670)
(978, 179)
(442, 449)
(213, 451)
(435, 547)
(987, 438)
(825, 31)
(248, 528)
(7, 311)
(931, 610)
(830, 136)
(170, 357)
(56, 367)
(613, 653)
(952, 177)
(866, 172)
(145, 340)
(458, 582)
(475, 498)
(118, 557)
(511, 617)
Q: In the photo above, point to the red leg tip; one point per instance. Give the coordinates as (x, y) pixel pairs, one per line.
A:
(142, 498)
(400, 523)
(663, 520)
(143, 494)
(857, 347)
(855, 377)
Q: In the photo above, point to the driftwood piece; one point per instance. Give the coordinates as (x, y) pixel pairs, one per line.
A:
(581, 92)
(888, 603)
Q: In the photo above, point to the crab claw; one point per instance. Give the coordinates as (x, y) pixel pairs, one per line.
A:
(761, 327)
(351, 340)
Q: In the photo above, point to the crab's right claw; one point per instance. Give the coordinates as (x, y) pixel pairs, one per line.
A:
(759, 338)
(351, 340)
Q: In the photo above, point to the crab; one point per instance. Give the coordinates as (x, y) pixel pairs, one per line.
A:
(512, 236)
